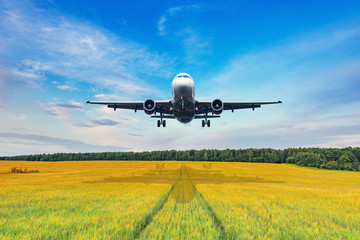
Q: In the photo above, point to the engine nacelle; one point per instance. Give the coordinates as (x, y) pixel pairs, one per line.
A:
(217, 106)
(149, 106)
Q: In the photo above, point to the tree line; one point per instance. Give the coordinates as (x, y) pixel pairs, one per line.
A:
(325, 158)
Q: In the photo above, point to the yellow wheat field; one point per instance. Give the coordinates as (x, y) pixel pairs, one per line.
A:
(176, 200)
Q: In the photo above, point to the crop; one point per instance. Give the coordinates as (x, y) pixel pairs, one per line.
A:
(181, 200)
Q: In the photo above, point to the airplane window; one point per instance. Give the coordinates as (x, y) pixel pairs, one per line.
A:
(183, 76)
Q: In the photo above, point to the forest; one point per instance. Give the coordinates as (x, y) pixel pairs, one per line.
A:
(324, 158)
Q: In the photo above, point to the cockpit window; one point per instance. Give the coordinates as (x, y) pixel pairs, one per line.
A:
(186, 76)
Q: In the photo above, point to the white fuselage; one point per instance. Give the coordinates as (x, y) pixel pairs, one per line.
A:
(183, 97)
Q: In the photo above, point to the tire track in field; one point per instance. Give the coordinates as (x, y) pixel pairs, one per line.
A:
(146, 220)
(207, 207)
(183, 190)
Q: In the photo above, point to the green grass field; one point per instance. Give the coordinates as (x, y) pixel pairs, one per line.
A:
(177, 200)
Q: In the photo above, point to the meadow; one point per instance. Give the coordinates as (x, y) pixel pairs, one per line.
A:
(176, 200)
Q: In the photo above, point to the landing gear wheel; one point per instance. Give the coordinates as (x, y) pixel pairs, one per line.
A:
(203, 123)
(208, 123)
(158, 123)
(164, 123)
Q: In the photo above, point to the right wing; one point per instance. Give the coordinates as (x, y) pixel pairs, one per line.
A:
(242, 105)
(160, 106)
(205, 106)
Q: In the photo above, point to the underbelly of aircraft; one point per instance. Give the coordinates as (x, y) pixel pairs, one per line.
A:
(184, 119)
(184, 115)
(184, 103)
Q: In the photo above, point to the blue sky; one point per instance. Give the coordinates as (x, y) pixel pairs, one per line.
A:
(56, 55)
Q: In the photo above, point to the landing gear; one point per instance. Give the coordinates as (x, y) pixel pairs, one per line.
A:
(205, 122)
(182, 104)
(161, 122)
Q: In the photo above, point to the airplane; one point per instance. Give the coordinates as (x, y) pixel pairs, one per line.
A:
(183, 106)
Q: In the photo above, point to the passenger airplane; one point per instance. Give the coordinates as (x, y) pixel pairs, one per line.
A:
(183, 106)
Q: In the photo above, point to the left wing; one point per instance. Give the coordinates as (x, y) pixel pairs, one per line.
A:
(205, 106)
(160, 106)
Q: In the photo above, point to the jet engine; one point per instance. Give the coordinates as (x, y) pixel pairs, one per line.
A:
(217, 106)
(149, 106)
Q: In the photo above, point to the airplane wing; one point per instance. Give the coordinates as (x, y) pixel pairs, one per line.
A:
(205, 106)
(161, 106)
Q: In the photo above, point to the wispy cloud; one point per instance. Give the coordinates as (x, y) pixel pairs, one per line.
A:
(29, 144)
(12, 77)
(172, 26)
(314, 77)
(105, 122)
(61, 46)
(100, 95)
(63, 87)
(61, 110)
(195, 45)
(66, 87)
(99, 122)
(302, 66)
(161, 25)
(49, 57)
(172, 12)
(20, 118)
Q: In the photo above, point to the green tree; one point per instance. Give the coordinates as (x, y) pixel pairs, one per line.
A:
(332, 165)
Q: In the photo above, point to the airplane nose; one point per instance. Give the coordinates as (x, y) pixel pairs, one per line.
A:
(183, 87)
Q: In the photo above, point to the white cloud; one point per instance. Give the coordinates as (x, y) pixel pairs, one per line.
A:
(302, 65)
(20, 118)
(195, 45)
(173, 25)
(62, 110)
(63, 87)
(18, 143)
(340, 141)
(171, 12)
(66, 87)
(13, 76)
(161, 25)
(100, 95)
(89, 42)
(317, 83)
(43, 45)
(70, 49)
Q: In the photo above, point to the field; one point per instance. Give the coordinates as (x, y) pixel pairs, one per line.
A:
(176, 200)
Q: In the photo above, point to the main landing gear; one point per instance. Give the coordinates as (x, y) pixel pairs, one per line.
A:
(162, 122)
(205, 122)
